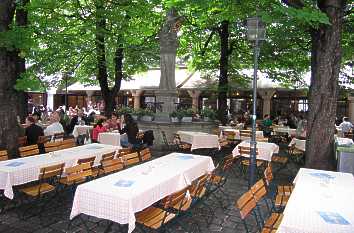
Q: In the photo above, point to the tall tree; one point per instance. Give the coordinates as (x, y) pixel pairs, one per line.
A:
(108, 40)
(9, 58)
(325, 67)
(326, 62)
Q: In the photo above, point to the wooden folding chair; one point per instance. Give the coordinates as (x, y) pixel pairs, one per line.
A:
(67, 143)
(169, 146)
(145, 154)
(245, 134)
(47, 183)
(22, 141)
(108, 156)
(51, 146)
(245, 153)
(58, 136)
(110, 166)
(43, 139)
(285, 190)
(3, 155)
(26, 151)
(131, 159)
(295, 154)
(181, 146)
(124, 151)
(247, 204)
(76, 175)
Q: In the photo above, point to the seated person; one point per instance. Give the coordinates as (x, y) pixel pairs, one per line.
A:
(78, 119)
(32, 131)
(99, 128)
(114, 122)
(266, 124)
(37, 118)
(55, 126)
(131, 129)
(346, 126)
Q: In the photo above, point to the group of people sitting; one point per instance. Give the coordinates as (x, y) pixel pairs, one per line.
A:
(34, 127)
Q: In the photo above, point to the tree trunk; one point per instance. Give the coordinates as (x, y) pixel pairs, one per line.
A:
(223, 79)
(325, 66)
(102, 76)
(9, 129)
(22, 21)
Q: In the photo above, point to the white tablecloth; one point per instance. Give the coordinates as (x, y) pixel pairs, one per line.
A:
(322, 202)
(199, 139)
(81, 129)
(119, 196)
(285, 130)
(24, 170)
(259, 134)
(299, 144)
(109, 138)
(265, 150)
(344, 141)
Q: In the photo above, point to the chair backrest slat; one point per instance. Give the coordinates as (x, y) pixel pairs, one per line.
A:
(112, 165)
(78, 172)
(130, 159)
(259, 190)
(51, 146)
(245, 133)
(3, 155)
(177, 200)
(199, 185)
(246, 203)
(43, 139)
(124, 151)
(244, 150)
(68, 143)
(28, 150)
(89, 160)
(268, 174)
(51, 171)
(108, 156)
(228, 162)
(145, 154)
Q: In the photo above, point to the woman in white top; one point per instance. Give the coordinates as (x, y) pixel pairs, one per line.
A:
(54, 127)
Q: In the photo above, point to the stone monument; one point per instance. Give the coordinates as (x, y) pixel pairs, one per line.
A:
(166, 95)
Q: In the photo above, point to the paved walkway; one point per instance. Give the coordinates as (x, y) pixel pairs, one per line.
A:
(226, 219)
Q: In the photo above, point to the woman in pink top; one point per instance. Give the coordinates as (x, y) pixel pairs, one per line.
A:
(99, 128)
(114, 122)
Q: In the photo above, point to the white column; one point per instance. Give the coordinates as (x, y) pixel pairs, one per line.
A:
(195, 98)
(266, 95)
(50, 98)
(89, 94)
(351, 108)
(136, 95)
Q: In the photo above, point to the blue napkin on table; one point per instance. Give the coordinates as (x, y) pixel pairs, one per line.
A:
(321, 175)
(185, 157)
(124, 183)
(14, 164)
(333, 218)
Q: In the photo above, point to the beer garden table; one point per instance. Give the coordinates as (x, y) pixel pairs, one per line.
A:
(119, 196)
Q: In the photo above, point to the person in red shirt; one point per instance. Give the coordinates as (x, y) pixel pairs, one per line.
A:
(114, 122)
(99, 128)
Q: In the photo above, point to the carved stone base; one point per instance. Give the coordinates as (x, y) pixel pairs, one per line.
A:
(167, 98)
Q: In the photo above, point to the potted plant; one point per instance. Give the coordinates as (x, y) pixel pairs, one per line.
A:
(208, 114)
(124, 110)
(175, 116)
(187, 115)
(147, 115)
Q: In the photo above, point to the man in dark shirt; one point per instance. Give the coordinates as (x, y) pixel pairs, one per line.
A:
(33, 131)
